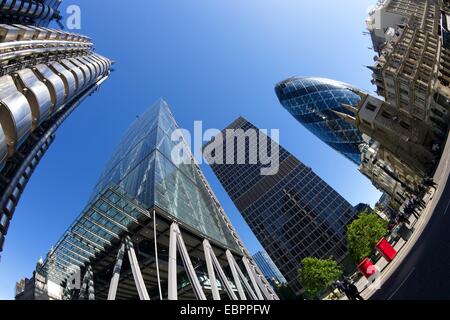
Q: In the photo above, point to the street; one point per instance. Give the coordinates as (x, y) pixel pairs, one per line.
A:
(425, 273)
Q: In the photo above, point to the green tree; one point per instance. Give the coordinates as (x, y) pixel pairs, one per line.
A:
(317, 275)
(364, 233)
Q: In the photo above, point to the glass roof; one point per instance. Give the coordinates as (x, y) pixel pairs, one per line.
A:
(108, 218)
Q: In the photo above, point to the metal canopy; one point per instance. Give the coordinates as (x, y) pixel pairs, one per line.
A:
(92, 243)
(106, 220)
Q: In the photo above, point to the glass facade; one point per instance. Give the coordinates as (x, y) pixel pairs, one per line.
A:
(294, 213)
(311, 101)
(268, 267)
(142, 167)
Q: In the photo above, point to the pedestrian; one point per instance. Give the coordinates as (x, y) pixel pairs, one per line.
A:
(416, 201)
(393, 224)
(429, 182)
(421, 202)
(343, 288)
(353, 291)
(402, 218)
(421, 189)
(411, 210)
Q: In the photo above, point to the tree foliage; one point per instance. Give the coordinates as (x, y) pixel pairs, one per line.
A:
(316, 275)
(364, 233)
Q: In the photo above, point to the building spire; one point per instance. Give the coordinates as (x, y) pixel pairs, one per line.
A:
(347, 118)
(361, 94)
(350, 108)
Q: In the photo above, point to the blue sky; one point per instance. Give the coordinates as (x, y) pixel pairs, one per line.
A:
(212, 60)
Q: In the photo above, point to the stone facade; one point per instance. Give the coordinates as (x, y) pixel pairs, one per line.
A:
(377, 166)
(412, 71)
(405, 138)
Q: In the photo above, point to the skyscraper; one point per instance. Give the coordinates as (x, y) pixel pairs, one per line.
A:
(268, 267)
(44, 75)
(293, 213)
(312, 101)
(147, 205)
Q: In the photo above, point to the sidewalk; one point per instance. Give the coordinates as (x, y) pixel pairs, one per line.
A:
(441, 177)
(417, 227)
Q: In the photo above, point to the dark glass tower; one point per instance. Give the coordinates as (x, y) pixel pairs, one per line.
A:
(294, 213)
(312, 101)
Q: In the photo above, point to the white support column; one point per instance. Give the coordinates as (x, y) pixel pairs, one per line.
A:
(173, 284)
(251, 275)
(245, 282)
(211, 274)
(138, 279)
(116, 273)
(223, 277)
(237, 281)
(176, 241)
(189, 267)
(156, 255)
(265, 290)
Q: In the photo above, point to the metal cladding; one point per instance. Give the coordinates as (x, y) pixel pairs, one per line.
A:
(70, 86)
(54, 83)
(15, 115)
(16, 32)
(44, 75)
(36, 93)
(31, 12)
(31, 96)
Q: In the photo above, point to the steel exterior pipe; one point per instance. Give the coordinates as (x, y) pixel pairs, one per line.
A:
(36, 93)
(15, 114)
(54, 83)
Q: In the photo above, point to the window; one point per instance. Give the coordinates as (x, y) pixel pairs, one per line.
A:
(371, 107)
(387, 115)
(405, 125)
(367, 123)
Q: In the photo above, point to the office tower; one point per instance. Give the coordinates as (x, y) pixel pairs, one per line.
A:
(44, 75)
(293, 212)
(312, 101)
(268, 268)
(145, 206)
(38, 13)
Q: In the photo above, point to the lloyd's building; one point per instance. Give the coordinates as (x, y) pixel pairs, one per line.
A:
(152, 230)
(44, 75)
